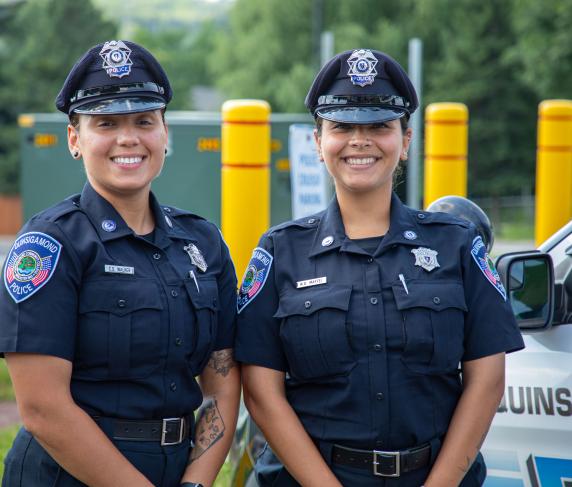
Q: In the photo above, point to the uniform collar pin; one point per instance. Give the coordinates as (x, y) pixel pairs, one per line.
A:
(410, 235)
(108, 225)
(168, 220)
(327, 241)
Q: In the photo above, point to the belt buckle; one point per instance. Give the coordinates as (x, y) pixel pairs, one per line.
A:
(164, 431)
(392, 454)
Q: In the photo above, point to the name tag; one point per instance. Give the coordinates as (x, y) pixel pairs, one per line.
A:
(311, 282)
(119, 269)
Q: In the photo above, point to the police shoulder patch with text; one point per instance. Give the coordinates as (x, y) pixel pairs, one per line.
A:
(30, 264)
(254, 278)
(486, 265)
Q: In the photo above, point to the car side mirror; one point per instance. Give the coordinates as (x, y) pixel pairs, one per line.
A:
(528, 278)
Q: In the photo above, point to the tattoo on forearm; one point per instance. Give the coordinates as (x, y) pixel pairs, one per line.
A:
(209, 428)
(222, 361)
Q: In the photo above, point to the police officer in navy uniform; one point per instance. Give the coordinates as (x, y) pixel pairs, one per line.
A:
(112, 304)
(372, 336)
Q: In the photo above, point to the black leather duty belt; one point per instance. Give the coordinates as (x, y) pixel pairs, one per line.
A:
(168, 431)
(383, 463)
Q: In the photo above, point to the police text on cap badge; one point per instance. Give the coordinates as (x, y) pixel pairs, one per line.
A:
(362, 67)
(116, 62)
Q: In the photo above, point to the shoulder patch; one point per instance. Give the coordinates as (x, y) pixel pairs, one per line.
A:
(254, 278)
(30, 264)
(486, 265)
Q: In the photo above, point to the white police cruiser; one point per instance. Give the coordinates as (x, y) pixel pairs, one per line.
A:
(530, 441)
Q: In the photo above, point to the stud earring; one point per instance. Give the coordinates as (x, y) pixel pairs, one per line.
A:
(165, 151)
(75, 155)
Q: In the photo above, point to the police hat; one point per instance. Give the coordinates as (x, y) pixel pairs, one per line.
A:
(115, 77)
(468, 210)
(362, 86)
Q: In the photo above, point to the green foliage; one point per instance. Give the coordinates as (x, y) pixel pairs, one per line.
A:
(6, 392)
(7, 436)
(38, 46)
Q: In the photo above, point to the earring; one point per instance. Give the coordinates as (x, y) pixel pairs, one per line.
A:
(165, 151)
(405, 154)
(75, 155)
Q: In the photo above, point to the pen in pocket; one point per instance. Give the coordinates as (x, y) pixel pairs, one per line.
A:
(194, 278)
(402, 279)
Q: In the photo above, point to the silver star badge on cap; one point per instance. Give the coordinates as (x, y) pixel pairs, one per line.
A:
(426, 258)
(362, 70)
(196, 256)
(116, 62)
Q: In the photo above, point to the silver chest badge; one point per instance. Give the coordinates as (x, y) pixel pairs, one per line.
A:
(196, 256)
(425, 258)
(362, 67)
(116, 62)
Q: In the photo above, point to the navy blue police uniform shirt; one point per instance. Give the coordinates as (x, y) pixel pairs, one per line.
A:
(371, 343)
(137, 316)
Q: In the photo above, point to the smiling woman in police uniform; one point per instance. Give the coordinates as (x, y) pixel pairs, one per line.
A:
(353, 322)
(113, 303)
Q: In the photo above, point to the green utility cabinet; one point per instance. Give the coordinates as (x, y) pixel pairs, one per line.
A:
(190, 177)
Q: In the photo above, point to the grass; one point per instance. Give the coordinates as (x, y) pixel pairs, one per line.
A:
(6, 392)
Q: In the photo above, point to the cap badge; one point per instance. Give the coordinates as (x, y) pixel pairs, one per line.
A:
(196, 256)
(116, 62)
(425, 258)
(362, 67)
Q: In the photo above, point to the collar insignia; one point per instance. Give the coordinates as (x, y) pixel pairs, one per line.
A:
(116, 62)
(425, 258)
(362, 67)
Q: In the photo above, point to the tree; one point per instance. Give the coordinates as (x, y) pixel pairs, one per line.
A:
(38, 48)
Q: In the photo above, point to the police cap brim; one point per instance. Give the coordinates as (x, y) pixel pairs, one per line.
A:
(359, 115)
(118, 106)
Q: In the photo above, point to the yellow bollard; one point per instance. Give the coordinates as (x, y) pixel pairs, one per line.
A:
(245, 177)
(553, 168)
(446, 143)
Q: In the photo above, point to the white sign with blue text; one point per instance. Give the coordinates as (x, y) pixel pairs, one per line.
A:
(308, 176)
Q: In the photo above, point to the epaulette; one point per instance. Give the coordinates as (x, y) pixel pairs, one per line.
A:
(69, 205)
(428, 217)
(305, 222)
(177, 212)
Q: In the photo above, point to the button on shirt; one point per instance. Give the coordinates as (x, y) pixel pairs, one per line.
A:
(124, 308)
(371, 357)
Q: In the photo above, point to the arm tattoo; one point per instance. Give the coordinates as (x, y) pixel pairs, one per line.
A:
(222, 361)
(209, 429)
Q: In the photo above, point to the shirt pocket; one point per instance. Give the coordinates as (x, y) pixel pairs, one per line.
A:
(433, 320)
(315, 332)
(120, 329)
(203, 293)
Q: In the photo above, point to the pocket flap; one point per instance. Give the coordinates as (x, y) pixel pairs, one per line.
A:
(435, 295)
(307, 301)
(203, 293)
(119, 296)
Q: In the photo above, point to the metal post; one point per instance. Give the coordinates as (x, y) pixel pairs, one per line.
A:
(414, 161)
(245, 176)
(446, 147)
(553, 168)
(326, 47)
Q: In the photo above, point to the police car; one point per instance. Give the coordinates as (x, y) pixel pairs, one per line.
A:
(530, 440)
